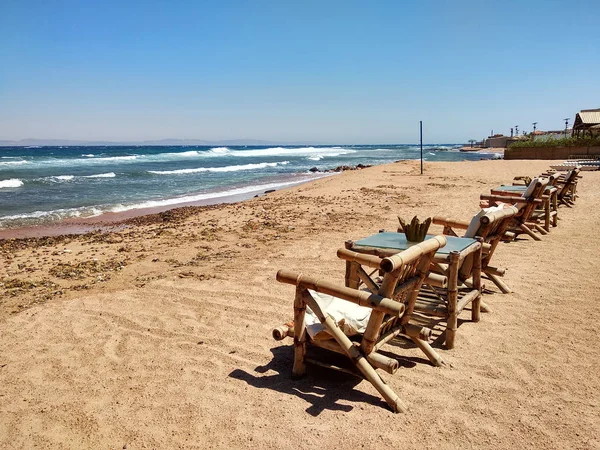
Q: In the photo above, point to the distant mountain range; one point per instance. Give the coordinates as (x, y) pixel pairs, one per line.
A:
(66, 142)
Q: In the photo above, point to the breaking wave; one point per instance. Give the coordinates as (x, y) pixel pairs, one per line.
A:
(218, 169)
(282, 151)
(12, 183)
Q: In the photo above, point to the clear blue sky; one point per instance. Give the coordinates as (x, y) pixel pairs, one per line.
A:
(325, 71)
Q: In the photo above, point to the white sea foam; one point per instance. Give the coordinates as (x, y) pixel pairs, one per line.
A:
(12, 183)
(218, 169)
(281, 151)
(101, 175)
(64, 177)
(220, 150)
(13, 163)
(89, 155)
(57, 214)
(117, 158)
(206, 196)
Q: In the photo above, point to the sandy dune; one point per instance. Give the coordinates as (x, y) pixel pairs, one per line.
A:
(159, 336)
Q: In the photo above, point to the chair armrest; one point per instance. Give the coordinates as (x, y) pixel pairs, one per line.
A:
(509, 199)
(360, 258)
(361, 298)
(450, 223)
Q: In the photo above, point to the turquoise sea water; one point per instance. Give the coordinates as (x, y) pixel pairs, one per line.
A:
(47, 184)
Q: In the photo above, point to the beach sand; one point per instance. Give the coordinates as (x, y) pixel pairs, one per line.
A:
(159, 335)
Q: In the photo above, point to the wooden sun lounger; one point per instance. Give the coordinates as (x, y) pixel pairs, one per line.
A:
(392, 307)
(525, 221)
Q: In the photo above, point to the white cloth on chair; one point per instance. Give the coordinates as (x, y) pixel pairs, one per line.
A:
(475, 224)
(350, 317)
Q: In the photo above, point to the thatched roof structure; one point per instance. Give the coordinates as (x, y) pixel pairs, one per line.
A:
(586, 120)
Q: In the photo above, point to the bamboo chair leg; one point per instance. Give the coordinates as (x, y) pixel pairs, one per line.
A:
(352, 278)
(476, 304)
(299, 368)
(431, 354)
(529, 232)
(540, 229)
(452, 319)
(498, 282)
(358, 359)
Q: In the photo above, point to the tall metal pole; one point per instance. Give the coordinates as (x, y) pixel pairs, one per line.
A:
(421, 136)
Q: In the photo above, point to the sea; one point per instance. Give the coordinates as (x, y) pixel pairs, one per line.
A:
(45, 185)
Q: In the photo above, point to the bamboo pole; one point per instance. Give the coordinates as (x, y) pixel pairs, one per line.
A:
(540, 229)
(437, 280)
(495, 271)
(450, 222)
(452, 298)
(498, 282)
(476, 305)
(285, 330)
(299, 367)
(376, 302)
(360, 258)
(431, 354)
(529, 232)
(366, 279)
(463, 301)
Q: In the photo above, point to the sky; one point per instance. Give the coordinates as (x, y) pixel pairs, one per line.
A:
(294, 71)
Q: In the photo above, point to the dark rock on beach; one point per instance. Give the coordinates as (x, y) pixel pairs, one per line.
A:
(340, 168)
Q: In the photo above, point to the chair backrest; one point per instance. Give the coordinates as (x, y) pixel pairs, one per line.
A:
(404, 274)
(534, 191)
(493, 226)
(569, 180)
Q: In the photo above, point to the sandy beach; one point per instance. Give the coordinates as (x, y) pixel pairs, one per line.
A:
(158, 335)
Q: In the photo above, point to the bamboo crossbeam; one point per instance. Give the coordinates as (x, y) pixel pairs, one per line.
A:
(360, 258)
(450, 222)
(466, 299)
(431, 308)
(364, 276)
(374, 301)
(495, 271)
(394, 262)
(285, 330)
(510, 199)
(383, 362)
(491, 217)
(437, 280)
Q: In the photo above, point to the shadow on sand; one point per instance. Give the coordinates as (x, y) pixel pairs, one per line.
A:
(322, 388)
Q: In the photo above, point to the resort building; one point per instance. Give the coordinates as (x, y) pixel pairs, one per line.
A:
(587, 121)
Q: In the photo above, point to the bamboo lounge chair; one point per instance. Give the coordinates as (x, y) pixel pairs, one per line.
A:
(545, 214)
(567, 184)
(490, 225)
(376, 318)
(525, 221)
(567, 193)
